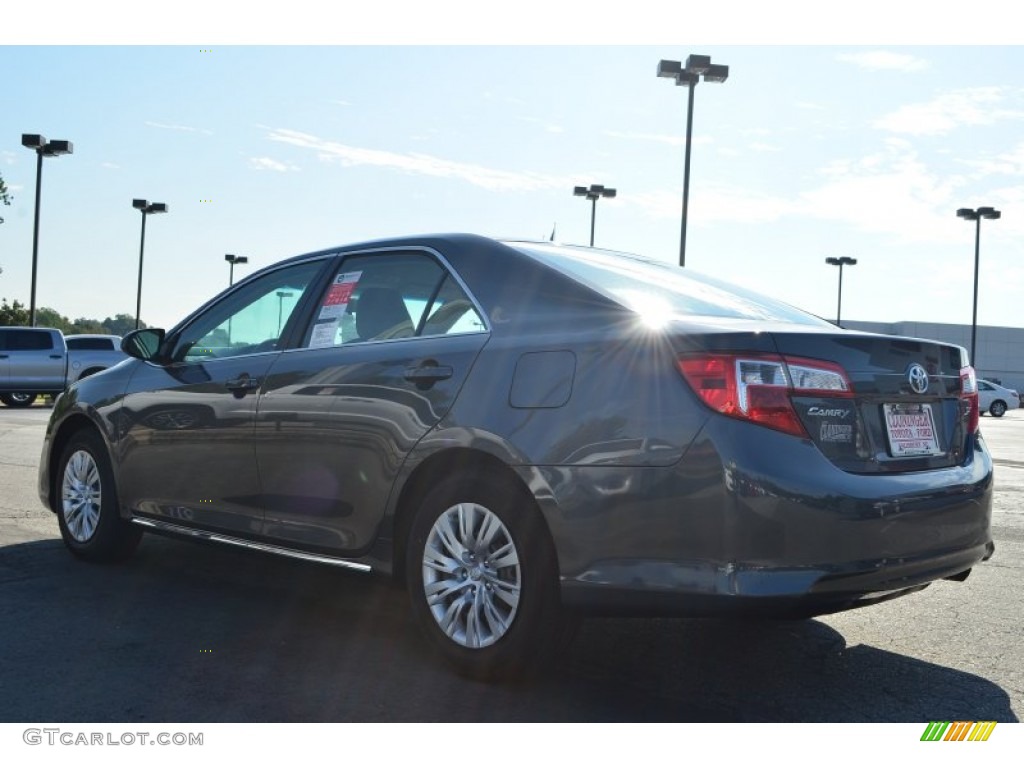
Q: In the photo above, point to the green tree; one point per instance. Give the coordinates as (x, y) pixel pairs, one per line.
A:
(5, 196)
(51, 318)
(13, 314)
(121, 324)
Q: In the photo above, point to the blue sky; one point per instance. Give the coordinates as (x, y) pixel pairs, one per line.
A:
(807, 151)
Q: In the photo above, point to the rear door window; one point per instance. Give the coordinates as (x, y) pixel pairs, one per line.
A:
(385, 296)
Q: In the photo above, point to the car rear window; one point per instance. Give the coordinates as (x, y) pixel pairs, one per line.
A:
(643, 285)
(106, 344)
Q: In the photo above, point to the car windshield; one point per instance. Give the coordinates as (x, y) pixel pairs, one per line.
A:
(651, 286)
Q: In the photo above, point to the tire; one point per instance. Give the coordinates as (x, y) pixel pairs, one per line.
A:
(86, 503)
(997, 409)
(18, 399)
(490, 620)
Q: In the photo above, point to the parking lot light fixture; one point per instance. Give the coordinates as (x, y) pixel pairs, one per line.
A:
(146, 208)
(696, 67)
(42, 148)
(976, 215)
(842, 261)
(592, 194)
(231, 259)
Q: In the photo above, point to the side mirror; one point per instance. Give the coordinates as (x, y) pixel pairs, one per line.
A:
(143, 343)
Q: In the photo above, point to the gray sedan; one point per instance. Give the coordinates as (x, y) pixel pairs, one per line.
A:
(522, 433)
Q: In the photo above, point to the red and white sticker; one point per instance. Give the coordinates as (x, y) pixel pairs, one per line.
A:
(339, 295)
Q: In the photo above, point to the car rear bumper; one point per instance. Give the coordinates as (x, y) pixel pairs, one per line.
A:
(710, 589)
(755, 521)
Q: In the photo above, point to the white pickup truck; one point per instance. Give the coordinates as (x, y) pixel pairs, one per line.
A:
(42, 361)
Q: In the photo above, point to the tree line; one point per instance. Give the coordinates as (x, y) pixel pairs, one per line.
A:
(16, 313)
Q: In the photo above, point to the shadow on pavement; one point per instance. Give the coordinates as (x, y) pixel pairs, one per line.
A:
(189, 633)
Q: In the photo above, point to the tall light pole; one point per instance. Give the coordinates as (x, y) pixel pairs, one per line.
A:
(231, 259)
(43, 148)
(842, 261)
(976, 216)
(696, 66)
(281, 296)
(146, 208)
(592, 194)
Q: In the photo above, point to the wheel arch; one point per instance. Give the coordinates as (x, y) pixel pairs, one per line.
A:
(442, 465)
(69, 428)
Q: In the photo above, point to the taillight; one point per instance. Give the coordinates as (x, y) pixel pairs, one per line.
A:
(969, 398)
(759, 388)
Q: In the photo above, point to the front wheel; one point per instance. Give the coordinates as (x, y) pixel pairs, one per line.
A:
(997, 409)
(87, 508)
(483, 578)
(18, 399)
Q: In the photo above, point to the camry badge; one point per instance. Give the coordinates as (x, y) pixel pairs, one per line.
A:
(918, 378)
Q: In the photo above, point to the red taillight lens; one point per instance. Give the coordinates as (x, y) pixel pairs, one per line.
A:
(758, 388)
(969, 398)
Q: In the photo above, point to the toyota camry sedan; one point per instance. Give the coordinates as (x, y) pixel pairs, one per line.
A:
(522, 433)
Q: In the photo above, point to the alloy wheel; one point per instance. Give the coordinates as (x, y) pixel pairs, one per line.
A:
(81, 495)
(472, 577)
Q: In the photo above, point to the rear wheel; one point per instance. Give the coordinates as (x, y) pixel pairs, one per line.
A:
(483, 578)
(87, 508)
(997, 409)
(18, 399)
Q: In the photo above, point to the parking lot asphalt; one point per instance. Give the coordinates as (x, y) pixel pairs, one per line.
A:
(188, 633)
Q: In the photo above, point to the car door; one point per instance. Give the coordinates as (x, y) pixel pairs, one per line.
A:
(390, 343)
(186, 453)
(35, 359)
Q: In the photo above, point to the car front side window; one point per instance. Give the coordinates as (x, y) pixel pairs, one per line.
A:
(252, 319)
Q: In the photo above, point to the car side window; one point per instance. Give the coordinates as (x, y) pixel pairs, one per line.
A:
(29, 341)
(377, 297)
(985, 386)
(251, 319)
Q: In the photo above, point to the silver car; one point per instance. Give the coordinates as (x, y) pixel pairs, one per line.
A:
(996, 399)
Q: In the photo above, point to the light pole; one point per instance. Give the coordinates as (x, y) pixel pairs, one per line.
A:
(592, 194)
(43, 148)
(696, 66)
(842, 261)
(231, 259)
(976, 216)
(281, 296)
(146, 208)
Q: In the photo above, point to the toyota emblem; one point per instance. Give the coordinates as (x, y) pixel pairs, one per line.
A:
(918, 378)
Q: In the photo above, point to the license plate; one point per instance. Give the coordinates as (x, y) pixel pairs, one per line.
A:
(911, 430)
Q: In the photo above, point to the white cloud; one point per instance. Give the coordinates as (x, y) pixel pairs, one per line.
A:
(269, 164)
(1008, 163)
(184, 128)
(10, 158)
(677, 140)
(414, 162)
(885, 60)
(973, 106)
(760, 146)
(109, 165)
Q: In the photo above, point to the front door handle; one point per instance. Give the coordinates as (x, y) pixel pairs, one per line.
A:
(56, 357)
(244, 383)
(424, 376)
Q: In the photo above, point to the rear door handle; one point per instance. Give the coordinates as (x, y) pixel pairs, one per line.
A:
(426, 375)
(56, 357)
(241, 385)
